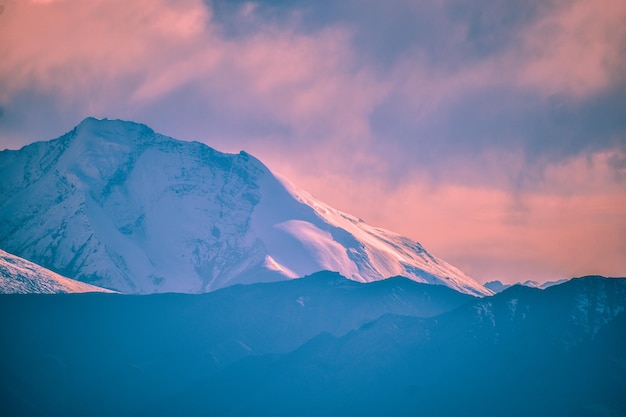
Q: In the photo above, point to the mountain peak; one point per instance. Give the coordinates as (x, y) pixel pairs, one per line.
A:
(94, 124)
(102, 132)
(328, 277)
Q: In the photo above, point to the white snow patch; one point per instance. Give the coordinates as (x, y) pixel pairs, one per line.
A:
(19, 276)
(272, 265)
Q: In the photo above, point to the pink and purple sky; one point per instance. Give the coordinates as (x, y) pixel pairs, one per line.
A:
(492, 132)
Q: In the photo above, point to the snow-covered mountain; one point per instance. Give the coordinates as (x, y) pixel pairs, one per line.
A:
(115, 204)
(19, 276)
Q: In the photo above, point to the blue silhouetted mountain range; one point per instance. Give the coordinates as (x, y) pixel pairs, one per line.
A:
(321, 345)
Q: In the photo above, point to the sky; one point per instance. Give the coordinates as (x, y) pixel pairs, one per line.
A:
(494, 133)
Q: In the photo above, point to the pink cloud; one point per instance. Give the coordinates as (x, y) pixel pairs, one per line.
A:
(576, 50)
(574, 224)
(135, 53)
(76, 46)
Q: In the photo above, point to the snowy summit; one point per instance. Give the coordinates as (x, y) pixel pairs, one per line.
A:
(115, 204)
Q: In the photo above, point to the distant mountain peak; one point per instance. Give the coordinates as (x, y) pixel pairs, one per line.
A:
(498, 286)
(116, 204)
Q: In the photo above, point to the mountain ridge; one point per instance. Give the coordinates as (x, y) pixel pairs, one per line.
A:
(558, 351)
(321, 345)
(498, 286)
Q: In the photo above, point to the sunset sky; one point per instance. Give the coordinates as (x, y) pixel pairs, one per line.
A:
(492, 132)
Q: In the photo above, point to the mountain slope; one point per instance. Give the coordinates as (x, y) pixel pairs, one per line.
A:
(19, 276)
(115, 204)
